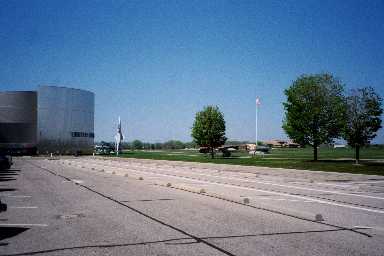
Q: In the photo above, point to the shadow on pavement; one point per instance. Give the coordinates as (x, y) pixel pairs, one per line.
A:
(7, 232)
(12, 171)
(8, 175)
(7, 189)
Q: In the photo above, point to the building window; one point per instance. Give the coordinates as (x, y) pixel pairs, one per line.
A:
(82, 135)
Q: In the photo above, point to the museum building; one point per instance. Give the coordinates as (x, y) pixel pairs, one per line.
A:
(50, 120)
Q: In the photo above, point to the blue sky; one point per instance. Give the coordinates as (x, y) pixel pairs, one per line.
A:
(156, 63)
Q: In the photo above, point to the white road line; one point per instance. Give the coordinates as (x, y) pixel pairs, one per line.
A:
(265, 191)
(18, 196)
(301, 197)
(22, 225)
(362, 227)
(335, 185)
(279, 199)
(23, 207)
(369, 182)
(286, 186)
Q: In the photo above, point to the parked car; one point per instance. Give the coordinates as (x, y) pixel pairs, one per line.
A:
(104, 149)
(264, 149)
(3, 207)
(5, 162)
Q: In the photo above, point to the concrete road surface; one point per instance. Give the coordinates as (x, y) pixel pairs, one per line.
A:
(109, 206)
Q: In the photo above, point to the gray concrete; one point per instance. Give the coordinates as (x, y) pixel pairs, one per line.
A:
(96, 206)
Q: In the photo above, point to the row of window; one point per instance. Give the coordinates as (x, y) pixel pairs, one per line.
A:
(83, 134)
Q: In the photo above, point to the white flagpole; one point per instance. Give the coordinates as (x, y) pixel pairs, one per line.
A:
(257, 110)
(256, 123)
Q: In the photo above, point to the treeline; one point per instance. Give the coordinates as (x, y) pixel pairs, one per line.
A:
(140, 145)
(171, 144)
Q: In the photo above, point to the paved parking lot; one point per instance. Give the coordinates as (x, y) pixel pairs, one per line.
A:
(109, 206)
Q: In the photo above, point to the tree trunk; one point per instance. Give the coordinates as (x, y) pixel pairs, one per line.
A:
(314, 152)
(212, 153)
(357, 154)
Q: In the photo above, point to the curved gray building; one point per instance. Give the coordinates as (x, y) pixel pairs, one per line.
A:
(18, 121)
(65, 119)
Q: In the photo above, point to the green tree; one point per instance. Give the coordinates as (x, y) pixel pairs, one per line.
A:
(173, 144)
(315, 110)
(146, 145)
(363, 118)
(209, 129)
(158, 145)
(190, 144)
(137, 144)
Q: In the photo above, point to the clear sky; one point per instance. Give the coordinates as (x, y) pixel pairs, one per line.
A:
(156, 63)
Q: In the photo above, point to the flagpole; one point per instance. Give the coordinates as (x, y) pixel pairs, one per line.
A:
(257, 116)
(256, 124)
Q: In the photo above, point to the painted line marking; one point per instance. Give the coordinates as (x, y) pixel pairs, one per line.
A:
(300, 197)
(369, 182)
(362, 227)
(275, 184)
(335, 185)
(18, 196)
(286, 186)
(22, 225)
(280, 199)
(23, 207)
(261, 190)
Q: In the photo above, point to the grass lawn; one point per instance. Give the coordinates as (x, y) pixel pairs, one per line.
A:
(333, 160)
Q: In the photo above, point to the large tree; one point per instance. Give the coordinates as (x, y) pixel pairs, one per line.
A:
(315, 110)
(209, 129)
(363, 118)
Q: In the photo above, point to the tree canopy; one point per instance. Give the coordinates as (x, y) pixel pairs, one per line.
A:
(137, 144)
(209, 128)
(315, 110)
(363, 118)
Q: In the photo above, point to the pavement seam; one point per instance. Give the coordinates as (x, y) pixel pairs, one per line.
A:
(236, 202)
(264, 209)
(270, 190)
(260, 208)
(197, 239)
(276, 184)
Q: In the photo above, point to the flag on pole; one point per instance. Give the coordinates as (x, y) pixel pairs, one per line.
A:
(256, 130)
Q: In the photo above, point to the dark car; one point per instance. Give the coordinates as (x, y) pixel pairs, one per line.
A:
(3, 207)
(5, 162)
(264, 149)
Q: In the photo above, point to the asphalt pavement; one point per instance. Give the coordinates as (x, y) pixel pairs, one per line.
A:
(110, 206)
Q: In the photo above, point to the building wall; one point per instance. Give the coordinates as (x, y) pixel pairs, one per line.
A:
(18, 121)
(65, 119)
